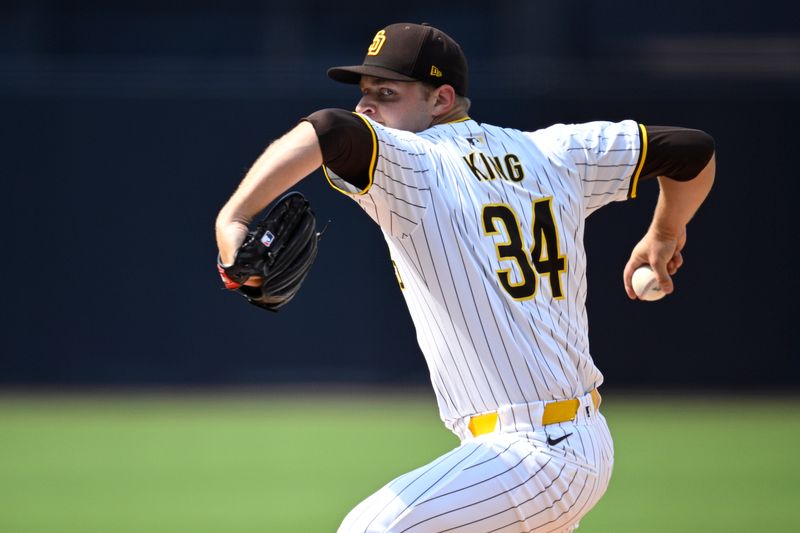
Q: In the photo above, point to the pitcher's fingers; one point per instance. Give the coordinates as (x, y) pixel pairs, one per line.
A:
(662, 275)
(675, 263)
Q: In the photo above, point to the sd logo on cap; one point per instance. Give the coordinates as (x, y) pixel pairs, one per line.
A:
(410, 52)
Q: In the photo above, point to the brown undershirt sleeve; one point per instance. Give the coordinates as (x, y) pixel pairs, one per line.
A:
(347, 144)
(676, 153)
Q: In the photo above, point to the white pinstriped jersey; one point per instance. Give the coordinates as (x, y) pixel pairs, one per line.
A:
(485, 226)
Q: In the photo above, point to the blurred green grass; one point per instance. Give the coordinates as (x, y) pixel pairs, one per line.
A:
(296, 462)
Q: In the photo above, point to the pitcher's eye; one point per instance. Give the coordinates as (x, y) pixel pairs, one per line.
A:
(386, 92)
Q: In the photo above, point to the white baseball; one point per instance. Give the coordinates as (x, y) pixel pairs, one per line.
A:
(645, 284)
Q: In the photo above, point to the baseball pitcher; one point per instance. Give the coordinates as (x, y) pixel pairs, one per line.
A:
(484, 225)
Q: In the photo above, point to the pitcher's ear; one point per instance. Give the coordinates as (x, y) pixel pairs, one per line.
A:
(445, 99)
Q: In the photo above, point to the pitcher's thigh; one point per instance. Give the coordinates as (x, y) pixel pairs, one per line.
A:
(504, 483)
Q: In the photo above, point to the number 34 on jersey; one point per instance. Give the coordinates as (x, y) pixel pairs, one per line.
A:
(543, 258)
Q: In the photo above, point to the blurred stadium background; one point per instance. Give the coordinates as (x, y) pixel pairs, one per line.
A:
(135, 394)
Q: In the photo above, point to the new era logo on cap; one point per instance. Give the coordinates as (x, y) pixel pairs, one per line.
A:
(410, 52)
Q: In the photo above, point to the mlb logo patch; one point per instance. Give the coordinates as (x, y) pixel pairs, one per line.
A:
(267, 238)
(476, 141)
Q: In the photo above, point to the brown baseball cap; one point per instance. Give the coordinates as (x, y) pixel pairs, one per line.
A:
(410, 52)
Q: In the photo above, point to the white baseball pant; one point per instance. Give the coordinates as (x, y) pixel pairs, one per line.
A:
(510, 480)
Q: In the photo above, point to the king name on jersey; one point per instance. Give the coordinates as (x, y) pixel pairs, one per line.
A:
(486, 167)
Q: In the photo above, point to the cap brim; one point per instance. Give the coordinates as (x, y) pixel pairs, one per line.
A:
(352, 74)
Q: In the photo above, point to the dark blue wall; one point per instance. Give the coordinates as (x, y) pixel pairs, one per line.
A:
(126, 127)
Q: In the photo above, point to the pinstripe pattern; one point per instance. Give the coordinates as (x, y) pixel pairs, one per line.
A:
(483, 348)
(503, 482)
(486, 350)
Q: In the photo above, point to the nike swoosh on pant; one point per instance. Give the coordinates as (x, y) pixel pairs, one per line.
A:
(552, 442)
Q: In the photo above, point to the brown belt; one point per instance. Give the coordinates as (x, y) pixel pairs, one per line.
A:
(554, 412)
